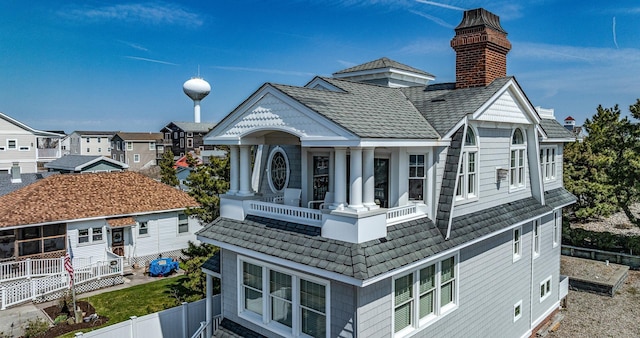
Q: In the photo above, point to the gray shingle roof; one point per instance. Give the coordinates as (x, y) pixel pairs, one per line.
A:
(213, 263)
(6, 186)
(444, 106)
(555, 130)
(558, 197)
(70, 162)
(201, 127)
(404, 244)
(364, 109)
(382, 63)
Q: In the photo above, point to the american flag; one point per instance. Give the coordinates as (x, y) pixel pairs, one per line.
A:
(68, 264)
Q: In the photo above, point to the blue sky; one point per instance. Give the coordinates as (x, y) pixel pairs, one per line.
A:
(120, 65)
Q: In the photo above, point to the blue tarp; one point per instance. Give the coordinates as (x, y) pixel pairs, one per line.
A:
(162, 267)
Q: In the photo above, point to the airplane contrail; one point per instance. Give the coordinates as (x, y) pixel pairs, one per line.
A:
(615, 41)
(150, 60)
(437, 4)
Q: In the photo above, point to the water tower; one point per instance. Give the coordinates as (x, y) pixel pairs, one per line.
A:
(197, 89)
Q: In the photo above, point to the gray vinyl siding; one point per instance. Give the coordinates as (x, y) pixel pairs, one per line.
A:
(494, 151)
(545, 265)
(375, 312)
(343, 310)
(490, 283)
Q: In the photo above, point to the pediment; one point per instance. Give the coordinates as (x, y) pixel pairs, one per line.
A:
(506, 108)
(269, 110)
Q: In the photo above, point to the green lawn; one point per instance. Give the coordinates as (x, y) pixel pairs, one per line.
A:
(137, 300)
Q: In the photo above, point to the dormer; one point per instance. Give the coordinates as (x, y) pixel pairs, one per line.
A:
(386, 72)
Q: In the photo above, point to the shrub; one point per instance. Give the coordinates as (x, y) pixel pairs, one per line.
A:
(60, 319)
(35, 327)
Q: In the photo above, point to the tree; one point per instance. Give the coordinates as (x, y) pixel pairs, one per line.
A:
(206, 183)
(192, 162)
(604, 171)
(194, 286)
(167, 171)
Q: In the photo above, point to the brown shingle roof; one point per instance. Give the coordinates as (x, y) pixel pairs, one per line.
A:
(77, 196)
(120, 222)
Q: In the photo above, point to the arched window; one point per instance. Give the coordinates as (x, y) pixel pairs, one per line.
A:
(467, 187)
(278, 170)
(517, 161)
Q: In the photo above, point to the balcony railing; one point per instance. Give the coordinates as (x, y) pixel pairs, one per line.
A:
(313, 217)
(48, 153)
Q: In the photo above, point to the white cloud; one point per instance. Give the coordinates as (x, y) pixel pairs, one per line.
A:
(153, 13)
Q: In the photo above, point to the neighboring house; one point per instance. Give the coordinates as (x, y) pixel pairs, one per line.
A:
(442, 203)
(570, 125)
(85, 164)
(122, 212)
(138, 150)
(16, 180)
(28, 147)
(90, 142)
(184, 137)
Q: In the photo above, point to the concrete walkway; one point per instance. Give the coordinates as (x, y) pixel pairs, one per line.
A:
(14, 319)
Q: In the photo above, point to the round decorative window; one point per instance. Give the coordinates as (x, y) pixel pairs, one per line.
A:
(278, 169)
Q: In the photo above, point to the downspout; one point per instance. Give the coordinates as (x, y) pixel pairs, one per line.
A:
(531, 286)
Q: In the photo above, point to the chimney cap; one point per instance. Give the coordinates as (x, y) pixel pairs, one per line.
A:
(480, 17)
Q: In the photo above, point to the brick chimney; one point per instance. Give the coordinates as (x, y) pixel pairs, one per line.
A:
(481, 47)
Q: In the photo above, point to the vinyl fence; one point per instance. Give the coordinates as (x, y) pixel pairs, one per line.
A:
(178, 322)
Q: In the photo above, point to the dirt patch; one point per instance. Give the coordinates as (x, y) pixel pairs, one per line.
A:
(588, 270)
(63, 327)
(592, 315)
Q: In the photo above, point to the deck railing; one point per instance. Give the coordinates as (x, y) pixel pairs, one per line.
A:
(31, 288)
(32, 268)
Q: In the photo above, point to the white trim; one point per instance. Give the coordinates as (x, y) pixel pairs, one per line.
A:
(517, 254)
(547, 283)
(553, 164)
(272, 153)
(536, 247)
(418, 324)
(516, 317)
(557, 228)
(263, 320)
(518, 148)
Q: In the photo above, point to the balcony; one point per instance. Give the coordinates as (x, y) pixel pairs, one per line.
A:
(341, 224)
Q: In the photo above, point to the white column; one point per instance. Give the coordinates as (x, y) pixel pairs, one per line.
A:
(368, 187)
(340, 182)
(245, 172)
(209, 306)
(234, 175)
(355, 194)
(332, 171)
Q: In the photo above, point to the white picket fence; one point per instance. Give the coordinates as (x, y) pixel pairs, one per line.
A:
(181, 321)
(22, 283)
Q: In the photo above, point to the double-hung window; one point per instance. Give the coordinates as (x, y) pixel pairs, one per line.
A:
(548, 163)
(129, 145)
(417, 177)
(143, 229)
(536, 238)
(284, 302)
(467, 187)
(183, 223)
(557, 228)
(517, 243)
(136, 158)
(545, 289)
(517, 161)
(424, 295)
